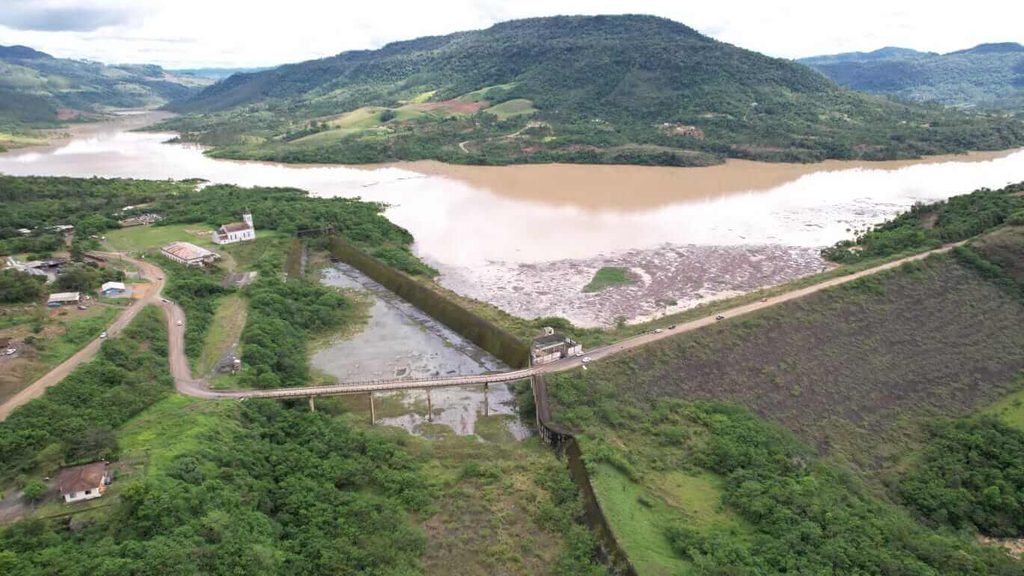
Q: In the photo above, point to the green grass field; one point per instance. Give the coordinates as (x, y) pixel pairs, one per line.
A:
(171, 427)
(607, 277)
(269, 244)
(79, 333)
(484, 93)
(515, 107)
(224, 331)
(1011, 408)
(141, 238)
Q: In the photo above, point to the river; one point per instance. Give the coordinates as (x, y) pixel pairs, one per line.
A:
(528, 238)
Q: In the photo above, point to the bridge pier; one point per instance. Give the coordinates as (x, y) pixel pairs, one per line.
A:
(373, 414)
(312, 406)
(487, 407)
(430, 409)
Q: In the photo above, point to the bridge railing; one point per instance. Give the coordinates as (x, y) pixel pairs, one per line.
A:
(382, 384)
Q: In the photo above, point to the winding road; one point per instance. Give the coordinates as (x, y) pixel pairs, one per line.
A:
(189, 386)
(146, 270)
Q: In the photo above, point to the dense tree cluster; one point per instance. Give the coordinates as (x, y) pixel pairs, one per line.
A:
(86, 277)
(956, 219)
(72, 422)
(277, 491)
(18, 286)
(91, 205)
(283, 315)
(970, 475)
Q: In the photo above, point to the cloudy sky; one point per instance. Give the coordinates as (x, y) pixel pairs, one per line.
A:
(194, 33)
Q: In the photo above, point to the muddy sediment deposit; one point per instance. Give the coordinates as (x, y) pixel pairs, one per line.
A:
(668, 279)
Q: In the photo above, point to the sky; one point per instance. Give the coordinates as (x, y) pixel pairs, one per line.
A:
(244, 33)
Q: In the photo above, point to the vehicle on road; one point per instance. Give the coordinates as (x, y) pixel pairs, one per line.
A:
(720, 318)
(10, 351)
(658, 331)
(579, 354)
(103, 334)
(764, 299)
(165, 300)
(672, 327)
(586, 359)
(179, 322)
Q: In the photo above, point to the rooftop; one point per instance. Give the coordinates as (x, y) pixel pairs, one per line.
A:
(79, 478)
(188, 251)
(233, 227)
(65, 297)
(112, 285)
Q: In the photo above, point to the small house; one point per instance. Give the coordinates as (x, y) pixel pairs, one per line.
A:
(86, 482)
(112, 288)
(553, 346)
(236, 231)
(188, 254)
(61, 298)
(24, 231)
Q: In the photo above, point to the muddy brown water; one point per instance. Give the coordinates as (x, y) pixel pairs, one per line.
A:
(527, 238)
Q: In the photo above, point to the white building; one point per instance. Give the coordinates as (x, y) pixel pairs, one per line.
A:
(112, 288)
(188, 254)
(552, 347)
(236, 231)
(80, 483)
(64, 298)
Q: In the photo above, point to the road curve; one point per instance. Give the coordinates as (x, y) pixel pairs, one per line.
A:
(189, 386)
(156, 277)
(192, 387)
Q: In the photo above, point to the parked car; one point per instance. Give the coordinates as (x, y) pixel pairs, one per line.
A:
(103, 334)
(10, 351)
(672, 327)
(179, 322)
(764, 299)
(658, 331)
(586, 359)
(80, 307)
(165, 300)
(720, 318)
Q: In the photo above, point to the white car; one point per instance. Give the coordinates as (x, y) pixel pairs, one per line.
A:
(658, 331)
(586, 359)
(103, 334)
(179, 322)
(10, 351)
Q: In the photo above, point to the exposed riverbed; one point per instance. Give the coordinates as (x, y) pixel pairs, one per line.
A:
(400, 342)
(527, 238)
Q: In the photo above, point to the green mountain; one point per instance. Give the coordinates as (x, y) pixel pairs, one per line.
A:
(618, 89)
(987, 76)
(35, 85)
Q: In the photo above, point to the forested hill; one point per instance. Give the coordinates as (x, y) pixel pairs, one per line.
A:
(631, 89)
(34, 85)
(988, 75)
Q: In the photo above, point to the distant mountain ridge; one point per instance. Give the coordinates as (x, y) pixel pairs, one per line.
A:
(986, 76)
(34, 85)
(627, 89)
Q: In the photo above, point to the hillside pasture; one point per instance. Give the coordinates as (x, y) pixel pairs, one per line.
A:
(511, 108)
(852, 370)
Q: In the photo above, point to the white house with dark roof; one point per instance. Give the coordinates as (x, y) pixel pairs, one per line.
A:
(236, 231)
(84, 482)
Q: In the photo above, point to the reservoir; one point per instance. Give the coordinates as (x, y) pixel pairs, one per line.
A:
(528, 238)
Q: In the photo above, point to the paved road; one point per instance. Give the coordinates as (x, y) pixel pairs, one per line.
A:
(156, 277)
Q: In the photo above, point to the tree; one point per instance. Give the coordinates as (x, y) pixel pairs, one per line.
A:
(34, 490)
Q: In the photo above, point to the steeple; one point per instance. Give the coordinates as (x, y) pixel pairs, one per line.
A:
(247, 218)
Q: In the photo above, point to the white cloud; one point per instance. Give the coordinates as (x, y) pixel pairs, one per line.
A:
(187, 33)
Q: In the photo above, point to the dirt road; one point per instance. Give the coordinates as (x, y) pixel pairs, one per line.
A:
(195, 388)
(155, 276)
(189, 386)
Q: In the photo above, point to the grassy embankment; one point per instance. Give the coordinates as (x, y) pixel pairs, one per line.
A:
(855, 371)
